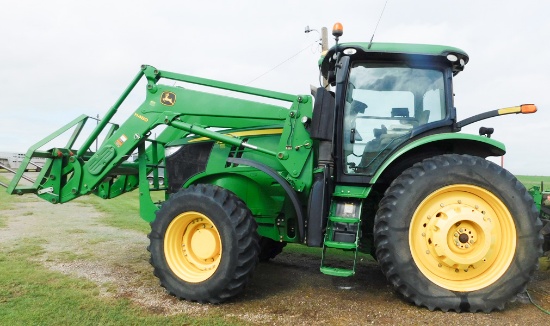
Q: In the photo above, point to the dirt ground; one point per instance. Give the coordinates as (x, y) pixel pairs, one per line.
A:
(288, 290)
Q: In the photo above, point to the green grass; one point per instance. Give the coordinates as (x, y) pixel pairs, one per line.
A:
(120, 212)
(534, 180)
(6, 202)
(32, 295)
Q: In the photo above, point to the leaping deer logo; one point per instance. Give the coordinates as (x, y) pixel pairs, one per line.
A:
(168, 98)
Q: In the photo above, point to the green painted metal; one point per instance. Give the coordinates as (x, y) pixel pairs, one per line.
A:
(536, 193)
(222, 85)
(335, 271)
(325, 61)
(402, 48)
(491, 143)
(340, 245)
(34, 151)
(235, 141)
(351, 191)
(103, 123)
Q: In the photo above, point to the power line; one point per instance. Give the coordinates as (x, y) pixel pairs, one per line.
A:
(280, 64)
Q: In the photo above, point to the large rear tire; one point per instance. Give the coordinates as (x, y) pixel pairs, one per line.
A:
(203, 244)
(457, 232)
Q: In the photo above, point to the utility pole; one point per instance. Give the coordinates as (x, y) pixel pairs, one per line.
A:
(324, 50)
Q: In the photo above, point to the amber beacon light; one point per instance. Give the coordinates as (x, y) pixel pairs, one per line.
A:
(337, 30)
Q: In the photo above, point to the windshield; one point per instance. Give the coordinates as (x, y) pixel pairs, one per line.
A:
(383, 105)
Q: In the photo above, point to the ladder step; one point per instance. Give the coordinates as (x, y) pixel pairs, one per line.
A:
(340, 219)
(335, 271)
(340, 245)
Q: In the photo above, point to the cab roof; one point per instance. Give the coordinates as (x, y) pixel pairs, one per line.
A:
(395, 50)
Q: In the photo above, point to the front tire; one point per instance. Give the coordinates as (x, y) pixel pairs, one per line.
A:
(203, 244)
(457, 232)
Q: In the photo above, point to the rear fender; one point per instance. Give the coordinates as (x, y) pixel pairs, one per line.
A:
(437, 144)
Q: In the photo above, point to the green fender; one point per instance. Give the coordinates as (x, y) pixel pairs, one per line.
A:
(251, 190)
(261, 188)
(463, 143)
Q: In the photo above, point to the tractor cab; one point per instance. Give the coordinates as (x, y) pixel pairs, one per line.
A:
(386, 94)
(384, 104)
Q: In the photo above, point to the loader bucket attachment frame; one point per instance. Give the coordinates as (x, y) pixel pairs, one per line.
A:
(34, 151)
(63, 166)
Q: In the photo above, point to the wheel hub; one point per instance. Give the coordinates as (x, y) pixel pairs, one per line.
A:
(452, 235)
(204, 245)
(462, 237)
(193, 247)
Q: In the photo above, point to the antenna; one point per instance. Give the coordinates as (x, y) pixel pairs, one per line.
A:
(376, 27)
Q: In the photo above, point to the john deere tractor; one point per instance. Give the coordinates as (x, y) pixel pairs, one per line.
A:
(373, 163)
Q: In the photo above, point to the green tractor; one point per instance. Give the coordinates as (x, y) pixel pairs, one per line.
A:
(377, 165)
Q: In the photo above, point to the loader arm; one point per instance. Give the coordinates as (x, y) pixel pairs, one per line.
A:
(70, 173)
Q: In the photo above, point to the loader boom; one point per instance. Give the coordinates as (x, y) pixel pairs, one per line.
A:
(70, 172)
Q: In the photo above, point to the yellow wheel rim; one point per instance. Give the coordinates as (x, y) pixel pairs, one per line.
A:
(192, 247)
(462, 238)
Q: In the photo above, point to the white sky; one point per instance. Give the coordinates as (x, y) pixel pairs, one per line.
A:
(60, 59)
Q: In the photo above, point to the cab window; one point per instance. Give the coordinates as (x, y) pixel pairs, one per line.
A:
(384, 103)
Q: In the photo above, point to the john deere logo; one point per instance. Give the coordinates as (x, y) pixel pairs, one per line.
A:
(168, 98)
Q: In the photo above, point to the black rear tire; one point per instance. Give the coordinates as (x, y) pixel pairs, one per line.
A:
(203, 244)
(457, 232)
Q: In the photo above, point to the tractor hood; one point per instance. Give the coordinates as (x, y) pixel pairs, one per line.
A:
(395, 51)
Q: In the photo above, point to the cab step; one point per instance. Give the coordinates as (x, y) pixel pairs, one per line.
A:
(336, 271)
(341, 245)
(342, 233)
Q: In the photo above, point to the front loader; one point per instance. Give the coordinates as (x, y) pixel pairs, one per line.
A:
(375, 164)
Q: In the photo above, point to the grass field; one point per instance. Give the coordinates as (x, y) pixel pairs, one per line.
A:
(534, 180)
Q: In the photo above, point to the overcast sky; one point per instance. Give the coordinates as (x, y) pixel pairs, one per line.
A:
(60, 59)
